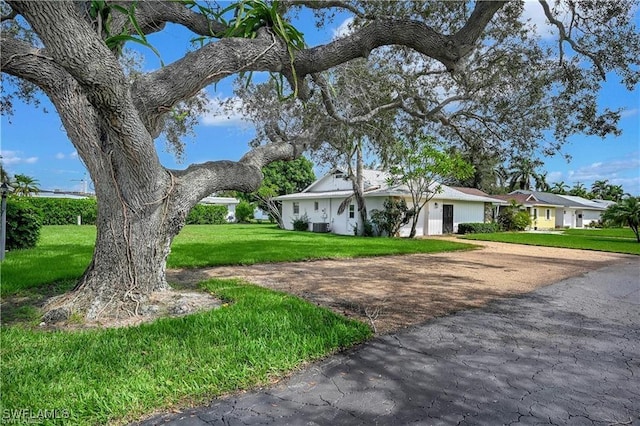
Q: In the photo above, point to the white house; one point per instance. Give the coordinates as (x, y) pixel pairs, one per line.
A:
(572, 211)
(320, 202)
(229, 202)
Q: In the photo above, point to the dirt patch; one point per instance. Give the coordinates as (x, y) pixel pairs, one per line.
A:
(173, 303)
(392, 292)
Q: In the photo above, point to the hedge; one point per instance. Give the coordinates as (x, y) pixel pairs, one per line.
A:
(65, 211)
(202, 214)
(24, 223)
(478, 228)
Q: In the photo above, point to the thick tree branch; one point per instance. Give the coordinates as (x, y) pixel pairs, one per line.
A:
(152, 15)
(327, 4)
(21, 59)
(244, 175)
(84, 56)
(96, 70)
(466, 37)
(167, 86)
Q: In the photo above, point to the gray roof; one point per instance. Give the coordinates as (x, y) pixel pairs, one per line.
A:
(563, 200)
(312, 195)
(445, 193)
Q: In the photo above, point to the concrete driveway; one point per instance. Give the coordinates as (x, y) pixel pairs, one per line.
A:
(568, 353)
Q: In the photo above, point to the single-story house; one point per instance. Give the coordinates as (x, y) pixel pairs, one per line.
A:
(543, 215)
(229, 202)
(63, 194)
(572, 211)
(320, 202)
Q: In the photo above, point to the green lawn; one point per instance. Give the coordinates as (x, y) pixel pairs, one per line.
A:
(101, 376)
(117, 375)
(603, 232)
(64, 252)
(611, 240)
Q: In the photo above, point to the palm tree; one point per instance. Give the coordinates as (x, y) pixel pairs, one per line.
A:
(541, 182)
(614, 193)
(523, 173)
(625, 212)
(559, 188)
(599, 189)
(579, 190)
(25, 185)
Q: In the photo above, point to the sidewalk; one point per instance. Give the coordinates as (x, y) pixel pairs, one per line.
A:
(568, 353)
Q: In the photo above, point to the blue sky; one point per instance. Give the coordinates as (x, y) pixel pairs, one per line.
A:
(34, 143)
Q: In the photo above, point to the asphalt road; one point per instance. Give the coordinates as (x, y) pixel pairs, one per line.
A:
(566, 354)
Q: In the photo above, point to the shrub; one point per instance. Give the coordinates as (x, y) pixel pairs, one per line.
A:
(511, 218)
(478, 228)
(24, 222)
(368, 229)
(244, 212)
(65, 211)
(202, 214)
(395, 215)
(301, 223)
(521, 221)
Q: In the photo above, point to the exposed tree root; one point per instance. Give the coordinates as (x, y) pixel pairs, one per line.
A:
(75, 310)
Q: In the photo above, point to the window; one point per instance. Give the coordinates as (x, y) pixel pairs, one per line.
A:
(296, 208)
(352, 211)
(535, 214)
(315, 206)
(548, 214)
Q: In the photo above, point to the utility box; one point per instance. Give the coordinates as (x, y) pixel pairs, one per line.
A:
(321, 227)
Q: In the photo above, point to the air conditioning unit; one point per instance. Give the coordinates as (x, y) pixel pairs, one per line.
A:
(321, 227)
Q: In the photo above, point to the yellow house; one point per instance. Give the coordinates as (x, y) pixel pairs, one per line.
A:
(543, 215)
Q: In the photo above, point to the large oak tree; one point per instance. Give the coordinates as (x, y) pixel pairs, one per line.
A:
(71, 51)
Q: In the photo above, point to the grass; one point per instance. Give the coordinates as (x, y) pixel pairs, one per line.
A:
(100, 376)
(117, 375)
(609, 240)
(64, 252)
(202, 245)
(603, 232)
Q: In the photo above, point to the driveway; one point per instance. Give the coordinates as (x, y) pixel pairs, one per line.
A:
(392, 292)
(568, 353)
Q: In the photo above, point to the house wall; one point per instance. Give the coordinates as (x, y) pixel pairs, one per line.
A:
(559, 217)
(332, 182)
(288, 216)
(327, 212)
(590, 216)
(463, 212)
(540, 221)
(569, 219)
(429, 221)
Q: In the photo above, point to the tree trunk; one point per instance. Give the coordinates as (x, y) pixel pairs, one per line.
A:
(128, 264)
(358, 187)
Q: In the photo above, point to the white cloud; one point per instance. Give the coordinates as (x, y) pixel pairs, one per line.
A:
(534, 14)
(629, 112)
(344, 29)
(15, 157)
(72, 156)
(630, 185)
(609, 170)
(625, 172)
(554, 177)
(224, 112)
